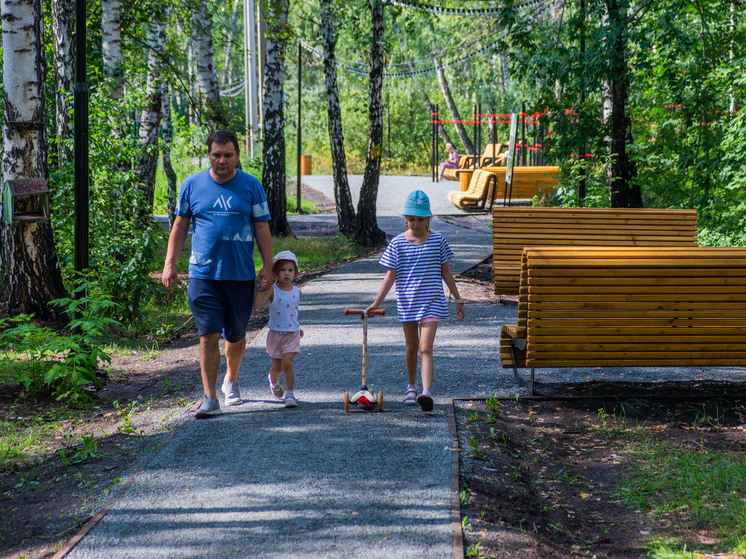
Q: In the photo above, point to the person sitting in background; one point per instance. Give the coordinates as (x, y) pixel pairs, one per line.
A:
(451, 162)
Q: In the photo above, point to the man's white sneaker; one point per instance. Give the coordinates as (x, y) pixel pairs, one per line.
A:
(230, 391)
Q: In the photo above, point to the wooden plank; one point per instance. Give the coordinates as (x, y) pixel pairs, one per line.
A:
(632, 308)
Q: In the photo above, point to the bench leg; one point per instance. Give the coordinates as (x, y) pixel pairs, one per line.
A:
(531, 383)
(518, 380)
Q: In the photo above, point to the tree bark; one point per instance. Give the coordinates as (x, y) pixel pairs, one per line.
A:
(453, 109)
(29, 272)
(621, 172)
(111, 43)
(168, 168)
(342, 197)
(63, 30)
(367, 231)
(150, 121)
(213, 114)
(273, 148)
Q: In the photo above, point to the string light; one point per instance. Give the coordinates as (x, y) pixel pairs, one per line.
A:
(460, 12)
(363, 69)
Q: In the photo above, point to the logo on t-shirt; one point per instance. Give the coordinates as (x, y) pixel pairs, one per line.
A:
(222, 203)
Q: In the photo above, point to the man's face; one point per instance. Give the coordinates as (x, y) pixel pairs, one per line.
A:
(223, 161)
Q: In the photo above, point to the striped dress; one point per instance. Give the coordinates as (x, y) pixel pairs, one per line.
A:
(419, 282)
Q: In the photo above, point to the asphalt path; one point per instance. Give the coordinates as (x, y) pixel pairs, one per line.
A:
(261, 480)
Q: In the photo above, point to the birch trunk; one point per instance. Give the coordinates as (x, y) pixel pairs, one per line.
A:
(29, 273)
(63, 30)
(367, 232)
(453, 109)
(342, 196)
(168, 168)
(273, 147)
(150, 121)
(111, 44)
(202, 37)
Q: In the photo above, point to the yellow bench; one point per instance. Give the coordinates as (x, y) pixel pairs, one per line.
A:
(517, 227)
(481, 188)
(528, 181)
(628, 307)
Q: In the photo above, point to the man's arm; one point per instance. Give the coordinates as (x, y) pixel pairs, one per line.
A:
(264, 243)
(176, 241)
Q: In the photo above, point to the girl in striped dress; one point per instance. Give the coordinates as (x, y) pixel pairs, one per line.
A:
(417, 262)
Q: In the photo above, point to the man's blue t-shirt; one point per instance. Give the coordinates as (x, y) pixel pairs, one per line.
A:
(222, 215)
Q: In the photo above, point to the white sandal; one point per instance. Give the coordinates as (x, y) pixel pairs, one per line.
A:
(410, 397)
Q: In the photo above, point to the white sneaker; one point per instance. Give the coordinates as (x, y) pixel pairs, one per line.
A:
(230, 390)
(275, 389)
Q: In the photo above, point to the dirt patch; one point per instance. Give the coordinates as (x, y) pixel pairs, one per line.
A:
(540, 478)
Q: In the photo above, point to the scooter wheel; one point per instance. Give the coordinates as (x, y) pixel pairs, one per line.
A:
(380, 401)
(347, 402)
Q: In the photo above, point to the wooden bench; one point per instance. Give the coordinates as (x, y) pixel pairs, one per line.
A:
(528, 181)
(480, 192)
(628, 307)
(518, 227)
(465, 162)
(494, 155)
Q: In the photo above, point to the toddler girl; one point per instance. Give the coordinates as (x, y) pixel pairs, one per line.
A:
(283, 338)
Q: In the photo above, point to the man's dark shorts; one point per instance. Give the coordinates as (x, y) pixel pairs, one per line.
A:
(221, 306)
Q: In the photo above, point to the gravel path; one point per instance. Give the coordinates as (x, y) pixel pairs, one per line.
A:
(264, 481)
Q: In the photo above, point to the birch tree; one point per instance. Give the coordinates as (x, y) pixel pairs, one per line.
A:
(168, 169)
(213, 114)
(273, 125)
(150, 122)
(29, 273)
(342, 196)
(111, 46)
(452, 108)
(367, 231)
(63, 29)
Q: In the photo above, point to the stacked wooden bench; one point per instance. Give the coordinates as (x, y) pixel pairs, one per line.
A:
(518, 227)
(528, 181)
(480, 192)
(628, 306)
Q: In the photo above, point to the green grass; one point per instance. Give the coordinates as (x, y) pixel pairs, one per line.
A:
(314, 253)
(701, 488)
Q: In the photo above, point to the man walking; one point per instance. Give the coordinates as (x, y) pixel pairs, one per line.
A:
(227, 210)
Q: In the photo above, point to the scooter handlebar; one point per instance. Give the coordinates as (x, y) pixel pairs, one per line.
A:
(362, 311)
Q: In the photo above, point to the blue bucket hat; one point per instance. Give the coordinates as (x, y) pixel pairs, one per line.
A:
(417, 204)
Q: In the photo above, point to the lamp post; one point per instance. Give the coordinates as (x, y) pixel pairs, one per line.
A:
(80, 110)
(249, 38)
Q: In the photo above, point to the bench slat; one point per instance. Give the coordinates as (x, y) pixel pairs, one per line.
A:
(629, 307)
(576, 228)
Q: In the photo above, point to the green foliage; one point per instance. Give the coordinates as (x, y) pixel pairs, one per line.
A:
(39, 358)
